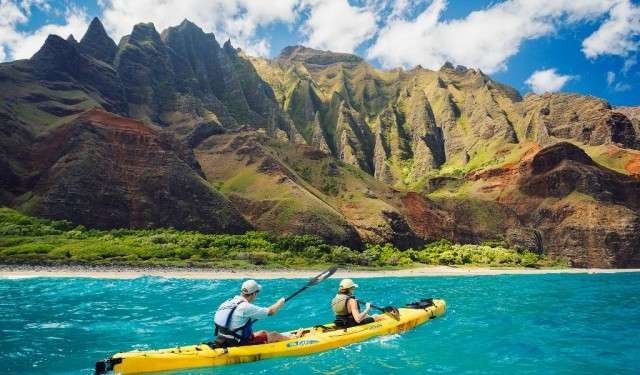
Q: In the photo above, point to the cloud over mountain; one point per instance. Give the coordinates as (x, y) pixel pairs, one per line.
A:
(547, 80)
(338, 26)
(18, 44)
(485, 38)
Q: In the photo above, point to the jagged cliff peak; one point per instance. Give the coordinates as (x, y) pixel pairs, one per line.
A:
(53, 46)
(187, 24)
(447, 65)
(145, 31)
(316, 57)
(97, 43)
(460, 69)
(186, 29)
(228, 47)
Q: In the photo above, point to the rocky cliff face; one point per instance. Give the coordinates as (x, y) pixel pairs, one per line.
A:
(587, 120)
(567, 205)
(184, 79)
(106, 171)
(425, 122)
(590, 212)
(173, 129)
(62, 67)
(633, 114)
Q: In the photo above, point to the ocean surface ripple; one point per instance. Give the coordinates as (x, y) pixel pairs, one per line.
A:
(560, 323)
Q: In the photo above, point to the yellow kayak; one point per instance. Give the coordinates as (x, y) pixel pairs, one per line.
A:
(313, 340)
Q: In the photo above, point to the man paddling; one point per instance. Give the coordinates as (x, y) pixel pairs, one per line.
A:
(235, 317)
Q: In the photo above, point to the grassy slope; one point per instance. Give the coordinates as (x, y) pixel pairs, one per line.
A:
(279, 199)
(28, 100)
(28, 240)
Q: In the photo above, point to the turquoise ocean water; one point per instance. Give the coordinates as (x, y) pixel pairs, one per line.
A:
(494, 324)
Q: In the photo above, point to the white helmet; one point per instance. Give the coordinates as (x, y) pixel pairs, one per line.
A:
(250, 287)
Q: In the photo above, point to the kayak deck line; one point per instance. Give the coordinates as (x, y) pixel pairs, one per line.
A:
(314, 339)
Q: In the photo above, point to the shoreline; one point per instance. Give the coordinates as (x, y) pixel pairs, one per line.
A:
(109, 272)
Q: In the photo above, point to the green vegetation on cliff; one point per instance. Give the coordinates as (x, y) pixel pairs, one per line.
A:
(29, 240)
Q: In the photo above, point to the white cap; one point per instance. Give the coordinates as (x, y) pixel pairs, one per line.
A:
(347, 284)
(250, 287)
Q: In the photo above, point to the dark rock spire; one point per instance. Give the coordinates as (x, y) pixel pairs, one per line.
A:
(96, 43)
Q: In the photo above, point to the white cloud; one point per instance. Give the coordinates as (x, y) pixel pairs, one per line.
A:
(485, 38)
(621, 87)
(618, 86)
(548, 80)
(629, 63)
(618, 35)
(238, 20)
(16, 44)
(338, 26)
(10, 16)
(401, 8)
(76, 23)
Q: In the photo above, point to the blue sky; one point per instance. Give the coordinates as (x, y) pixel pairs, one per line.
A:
(585, 46)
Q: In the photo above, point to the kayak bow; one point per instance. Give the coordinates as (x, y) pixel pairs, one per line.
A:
(313, 340)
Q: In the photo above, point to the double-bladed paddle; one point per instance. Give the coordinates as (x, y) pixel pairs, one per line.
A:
(389, 310)
(316, 280)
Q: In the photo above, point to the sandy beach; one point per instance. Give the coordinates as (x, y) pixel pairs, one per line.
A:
(16, 272)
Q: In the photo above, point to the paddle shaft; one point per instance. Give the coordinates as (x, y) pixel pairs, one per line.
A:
(296, 293)
(316, 280)
(389, 310)
(372, 305)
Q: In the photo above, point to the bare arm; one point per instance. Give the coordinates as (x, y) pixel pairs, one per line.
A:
(276, 306)
(355, 312)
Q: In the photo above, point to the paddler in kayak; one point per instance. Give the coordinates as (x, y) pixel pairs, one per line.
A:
(345, 306)
(234, 318)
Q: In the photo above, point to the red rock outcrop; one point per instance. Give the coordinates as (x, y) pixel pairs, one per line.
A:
(106, 171)
(582, 211)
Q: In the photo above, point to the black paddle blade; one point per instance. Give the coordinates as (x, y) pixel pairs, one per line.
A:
(323, 276)
(389, 310)
(392, 311)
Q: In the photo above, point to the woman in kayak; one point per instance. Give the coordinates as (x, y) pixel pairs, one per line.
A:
(235, 317)
(345, 306)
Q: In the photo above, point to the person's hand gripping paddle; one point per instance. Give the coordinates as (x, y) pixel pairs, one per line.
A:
(389, 310)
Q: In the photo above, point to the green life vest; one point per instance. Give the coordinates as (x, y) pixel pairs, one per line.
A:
(339, 304)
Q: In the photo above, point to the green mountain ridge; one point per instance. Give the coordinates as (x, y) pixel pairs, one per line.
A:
(173, 129)
(423, 123)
